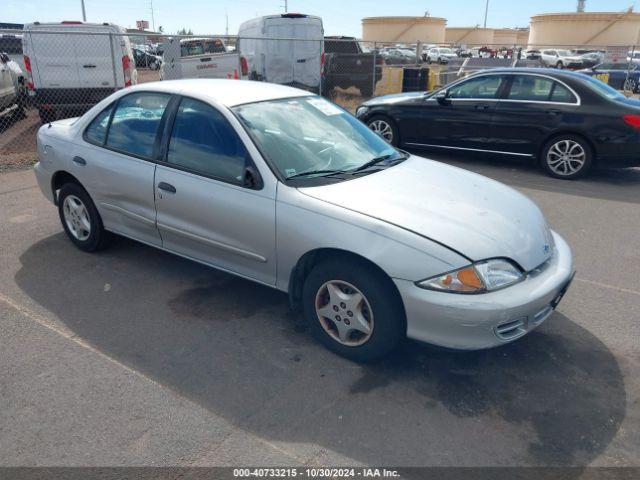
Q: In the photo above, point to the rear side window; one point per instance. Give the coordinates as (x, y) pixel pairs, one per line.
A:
(203, 141)
(562, 94)
(528, 87)
(96, 132)
(135, 123)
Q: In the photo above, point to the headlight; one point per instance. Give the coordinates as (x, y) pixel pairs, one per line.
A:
(484, 276)
(360, 111)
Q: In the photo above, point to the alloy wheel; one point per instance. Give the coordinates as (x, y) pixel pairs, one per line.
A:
(76, 216)
(566, 157)
(383, 129)
(344, 313)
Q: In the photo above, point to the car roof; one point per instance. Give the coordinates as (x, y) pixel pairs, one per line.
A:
(549, 72)
(225, 92)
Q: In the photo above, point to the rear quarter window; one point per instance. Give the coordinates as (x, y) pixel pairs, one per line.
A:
(96, 132)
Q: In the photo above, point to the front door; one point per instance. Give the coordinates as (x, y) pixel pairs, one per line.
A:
(461, 120)
(203, 210)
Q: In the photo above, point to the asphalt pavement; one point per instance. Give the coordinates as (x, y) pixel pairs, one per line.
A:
(136, 357)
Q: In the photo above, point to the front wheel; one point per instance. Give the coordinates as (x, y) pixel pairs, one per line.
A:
(630, 85)
(353, 310)
(567, 157)
(386, 128)
(560, 65)
(80, 219)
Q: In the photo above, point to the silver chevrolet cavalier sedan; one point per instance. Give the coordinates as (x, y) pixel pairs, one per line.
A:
(286, 189)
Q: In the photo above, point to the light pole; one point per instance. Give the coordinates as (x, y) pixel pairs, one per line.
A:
(486, 11)
(84, 14)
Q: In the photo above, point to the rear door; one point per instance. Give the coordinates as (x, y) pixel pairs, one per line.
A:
(308, 52)
(95, 57)
(53, 59)
(279, 55)
(532, 107)
(116, 164)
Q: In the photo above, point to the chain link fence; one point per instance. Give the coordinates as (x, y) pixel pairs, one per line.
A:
(54, 73)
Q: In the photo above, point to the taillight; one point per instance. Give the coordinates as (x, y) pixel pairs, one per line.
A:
(633, 120)
(126, 68)
(27, 66)
(244, 66)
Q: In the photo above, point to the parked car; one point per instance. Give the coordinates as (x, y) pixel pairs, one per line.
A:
(198, 58)
(560, 59)
(346, 65)
(399, 56)
(591, 59)
(70, 72)
(633, 57)
(532, 54)
(12, 46)
(146, 60)
(287, 62)
(568, 121)
(11, 89)
(440, 55)
(286, 189)
(621, 76)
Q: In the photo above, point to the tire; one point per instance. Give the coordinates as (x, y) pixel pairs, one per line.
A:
(439, 61)
(46, 116)
(566, 147)
(391, 134)
(90, 239)
(559, 65)
(429, 60)
(630, 85)
(380, 310)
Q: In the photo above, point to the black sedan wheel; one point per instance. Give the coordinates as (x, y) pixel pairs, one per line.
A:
(385, 127)
(567, 157)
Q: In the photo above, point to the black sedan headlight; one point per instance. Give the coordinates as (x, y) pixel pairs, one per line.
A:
(361, 111)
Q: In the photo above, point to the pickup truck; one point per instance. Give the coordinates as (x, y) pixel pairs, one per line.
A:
(346, 65)
(198, 58)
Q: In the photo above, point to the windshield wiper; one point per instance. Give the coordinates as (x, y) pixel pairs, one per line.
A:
(377, 160)
(324, 173)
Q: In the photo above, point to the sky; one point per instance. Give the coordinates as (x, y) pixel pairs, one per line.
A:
(340, 17)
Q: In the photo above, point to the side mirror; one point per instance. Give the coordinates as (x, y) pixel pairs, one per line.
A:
(251, 178)
(442, 97)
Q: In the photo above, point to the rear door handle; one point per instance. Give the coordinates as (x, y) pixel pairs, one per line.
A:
(482, 107)
(553, 112)
(88, 66)
(167, 187)
(79, 161)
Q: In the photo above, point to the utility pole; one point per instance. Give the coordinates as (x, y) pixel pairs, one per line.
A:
(153, 20)
(486, 11)
(226, 15)
(286, 6)
(84, 13)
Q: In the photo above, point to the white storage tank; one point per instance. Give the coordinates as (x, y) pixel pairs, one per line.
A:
(404, 29)
(469, 36)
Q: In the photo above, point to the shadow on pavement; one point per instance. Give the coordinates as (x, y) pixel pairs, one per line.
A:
(607, 184)
(556, 397)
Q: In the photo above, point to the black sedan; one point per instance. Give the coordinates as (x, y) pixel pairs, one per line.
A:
(567, 121)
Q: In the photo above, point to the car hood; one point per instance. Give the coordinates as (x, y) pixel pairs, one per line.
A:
(471, 214)
(395, 98)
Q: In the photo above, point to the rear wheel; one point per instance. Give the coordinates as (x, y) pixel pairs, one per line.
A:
(560, 65)
(353, 310)
(80, 219)
(366, 90)
(630, 85)
(567, 157)
(385, 127)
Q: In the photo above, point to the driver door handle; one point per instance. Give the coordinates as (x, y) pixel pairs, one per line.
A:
(167, 187)
(482, 107)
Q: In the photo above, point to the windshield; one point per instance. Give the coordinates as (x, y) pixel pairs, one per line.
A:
(564, 53)
(311, 134)
(602, 88)
(445, 50)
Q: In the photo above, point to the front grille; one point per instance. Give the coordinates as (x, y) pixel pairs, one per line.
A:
(512, 329)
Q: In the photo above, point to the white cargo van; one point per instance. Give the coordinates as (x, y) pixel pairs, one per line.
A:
(71, 66)
(198, 58)
(295, 61)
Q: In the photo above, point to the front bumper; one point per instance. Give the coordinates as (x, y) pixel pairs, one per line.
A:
(471, 322)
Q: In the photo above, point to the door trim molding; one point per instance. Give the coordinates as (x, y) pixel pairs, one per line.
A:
(127, 213)
(214, 243)
(468, 149)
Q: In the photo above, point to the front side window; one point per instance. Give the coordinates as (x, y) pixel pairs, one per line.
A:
(96, 132)
(485, 87)
(204, 142)
(135, 123)
(310, 134)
